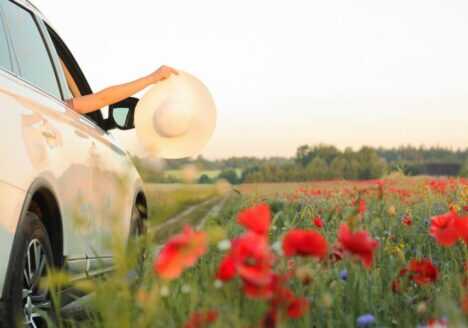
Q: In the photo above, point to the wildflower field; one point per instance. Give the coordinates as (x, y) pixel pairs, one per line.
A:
(380, 253)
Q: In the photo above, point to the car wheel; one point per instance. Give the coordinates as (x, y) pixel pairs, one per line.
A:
(26, 302)
(137, 240)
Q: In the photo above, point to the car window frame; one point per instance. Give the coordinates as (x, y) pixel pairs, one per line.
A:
(8, 43)
(65, 55)
(17, 70)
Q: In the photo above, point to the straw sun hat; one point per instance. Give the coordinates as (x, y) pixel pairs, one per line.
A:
(176, 117)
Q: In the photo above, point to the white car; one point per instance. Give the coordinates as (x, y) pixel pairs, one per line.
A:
(66, 185)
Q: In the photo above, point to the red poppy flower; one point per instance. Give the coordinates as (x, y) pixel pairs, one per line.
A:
(359, 243)
(282, 294)
(461, 225)
(201, 319)
(314, 192)
(361, 206)
(436, 323)
(257, 291)
(297, 307)
(464, 303)
(423, 271)
(256, 219)
(304, 243)
(227, 268)
(253, 259)
(407, 221)
(443, 229)
(179, 253)
(250, 257)
(396, 285)
(283, 299)
(318, 222)
(439, 186)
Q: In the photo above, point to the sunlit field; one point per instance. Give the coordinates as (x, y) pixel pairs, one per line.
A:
(290, 188)
(379, 253)
(166, 200)
(179, 174)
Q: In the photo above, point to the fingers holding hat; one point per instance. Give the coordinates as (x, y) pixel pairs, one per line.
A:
(162, 73)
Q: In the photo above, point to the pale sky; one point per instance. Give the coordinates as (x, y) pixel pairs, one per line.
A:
(287, 73)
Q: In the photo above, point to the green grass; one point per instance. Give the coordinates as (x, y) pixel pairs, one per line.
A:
(166, 200)
(179, 174)
(193, 216)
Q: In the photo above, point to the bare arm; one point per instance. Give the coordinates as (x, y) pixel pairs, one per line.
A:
(111, 95)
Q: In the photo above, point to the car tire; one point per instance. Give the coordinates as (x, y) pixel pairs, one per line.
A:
(30, 258)
(137, 240)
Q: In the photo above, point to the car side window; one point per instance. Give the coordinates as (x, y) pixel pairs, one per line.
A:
(33, 58)
(76, 83)
(4, 53)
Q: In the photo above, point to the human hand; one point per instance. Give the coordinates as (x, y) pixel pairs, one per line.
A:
(162, 73)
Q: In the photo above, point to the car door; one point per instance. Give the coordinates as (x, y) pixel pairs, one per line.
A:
(58, 140)
(111, 200)
(111, 188)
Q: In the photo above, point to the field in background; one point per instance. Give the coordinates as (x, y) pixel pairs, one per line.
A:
(166, 200)
(179, 174)
(268, 189)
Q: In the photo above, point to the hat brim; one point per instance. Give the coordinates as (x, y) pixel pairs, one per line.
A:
(189, 91)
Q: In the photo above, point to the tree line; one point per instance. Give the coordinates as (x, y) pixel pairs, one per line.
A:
(324, 162)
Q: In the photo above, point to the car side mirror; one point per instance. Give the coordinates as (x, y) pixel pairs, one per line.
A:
(121, 114)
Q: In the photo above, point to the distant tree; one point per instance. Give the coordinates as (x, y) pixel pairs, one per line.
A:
(422, 154)
(351, 171)
(338, 167)
(317, 169)
(366, 163)
(230, 175)
(203, 163)
(371, 166)
(204, 179)
(248, 173)
(326, 152)
(303, 155)
(464, 170)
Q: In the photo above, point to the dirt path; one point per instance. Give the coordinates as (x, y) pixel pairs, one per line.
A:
(215, 210)
(195, 216)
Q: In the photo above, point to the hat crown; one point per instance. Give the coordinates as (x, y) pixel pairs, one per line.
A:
(172, 119)
(175, 118)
